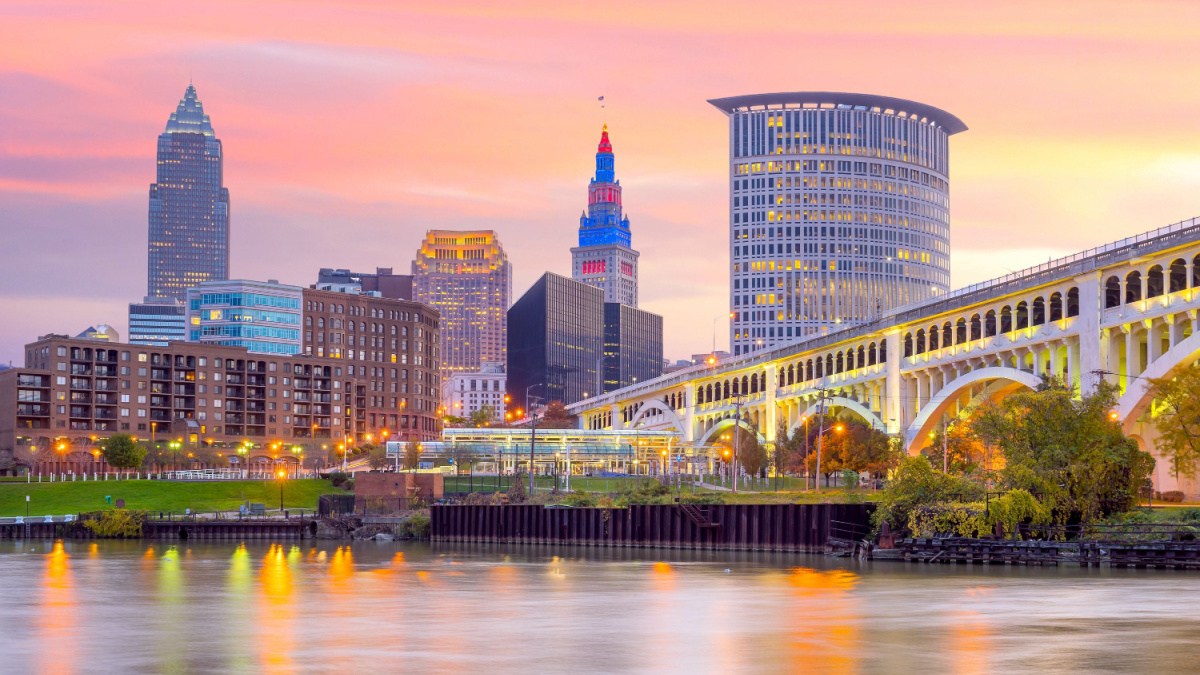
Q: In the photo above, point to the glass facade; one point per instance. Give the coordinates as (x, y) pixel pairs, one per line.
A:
(157, 321)
(189, 207)
(555, 341)
(250, 314)
(466, 277)
(633, 346)
(839, 211)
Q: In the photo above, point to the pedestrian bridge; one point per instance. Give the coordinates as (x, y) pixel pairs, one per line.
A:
(1126, 311)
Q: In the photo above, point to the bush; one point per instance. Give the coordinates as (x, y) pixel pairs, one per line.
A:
(702, 498)
(338, 477)
(348, 484)
(1170, 496)
(977, 519)
(516, 492)
(117, 523)
(580, 498)
(416, 526)
(915, 484)
(1189, 515)
(648, 492)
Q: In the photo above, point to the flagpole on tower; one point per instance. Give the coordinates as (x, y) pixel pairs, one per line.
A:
(605, 113)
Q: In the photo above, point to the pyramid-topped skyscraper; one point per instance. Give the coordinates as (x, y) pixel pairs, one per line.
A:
(605, 257)
(189, 205)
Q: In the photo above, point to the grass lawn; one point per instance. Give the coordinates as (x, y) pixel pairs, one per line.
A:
(153, 495)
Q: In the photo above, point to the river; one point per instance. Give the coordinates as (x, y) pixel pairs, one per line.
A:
(141, 607)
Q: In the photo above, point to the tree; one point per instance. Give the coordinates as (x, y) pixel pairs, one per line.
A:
(378, 456)
(555, 416)
(917, 484)
(966, 453)
(862, 448)
(1065, 450)
(412, 456)
(789, 449)
(1177, 418)
(464, 457)
(481, 418)
(122, 452)
(750, 453)
(516, 491)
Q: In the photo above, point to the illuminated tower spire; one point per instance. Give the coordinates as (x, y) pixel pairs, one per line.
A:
(605, 257)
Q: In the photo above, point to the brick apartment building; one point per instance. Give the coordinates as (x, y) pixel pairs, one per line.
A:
(74, 392)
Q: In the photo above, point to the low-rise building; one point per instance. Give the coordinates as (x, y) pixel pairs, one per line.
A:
(77, 392)
(157, 321)
(464, 394)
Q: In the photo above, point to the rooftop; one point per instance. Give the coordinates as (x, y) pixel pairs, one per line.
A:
(833, 99)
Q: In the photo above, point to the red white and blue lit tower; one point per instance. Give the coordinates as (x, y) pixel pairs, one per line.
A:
(604, 258)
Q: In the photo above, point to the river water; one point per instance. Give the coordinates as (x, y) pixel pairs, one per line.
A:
(137, 607)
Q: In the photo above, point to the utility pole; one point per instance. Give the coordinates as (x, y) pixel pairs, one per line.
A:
(737, 441)
(945, 454)
(532, 430)
(820, 437)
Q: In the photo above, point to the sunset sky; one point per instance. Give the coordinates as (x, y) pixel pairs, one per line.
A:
(350, 128)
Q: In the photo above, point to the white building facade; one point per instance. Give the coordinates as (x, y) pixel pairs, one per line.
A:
(839, 211)
(466, 393)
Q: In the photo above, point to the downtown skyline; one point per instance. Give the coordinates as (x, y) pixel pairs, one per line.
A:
(319, 129)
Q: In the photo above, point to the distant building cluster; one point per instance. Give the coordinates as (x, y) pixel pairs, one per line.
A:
(839, 211)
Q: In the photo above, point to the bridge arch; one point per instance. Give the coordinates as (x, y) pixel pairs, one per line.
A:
(856, 407)
(725, 424)
(1136, 398)
(929, 415)
(671, 416)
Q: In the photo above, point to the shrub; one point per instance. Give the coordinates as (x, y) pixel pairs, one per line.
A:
(702, 498)
(1189, 515)
(416, 526)
(516, 492)
(916, 483)
(117, 523)
(348, 484)
(1171, 496)
(580, 498)
(649, 492)
(338, 478)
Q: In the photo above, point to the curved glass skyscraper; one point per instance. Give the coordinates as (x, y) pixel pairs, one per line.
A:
(189, 206)
(839, 210)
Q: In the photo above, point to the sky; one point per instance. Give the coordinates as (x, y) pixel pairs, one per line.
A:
(351, 128)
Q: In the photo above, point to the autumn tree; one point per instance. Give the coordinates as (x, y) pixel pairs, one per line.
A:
(1177, 418)
(412, 456)
(1065, 449)
(964, 453)
(555, 416)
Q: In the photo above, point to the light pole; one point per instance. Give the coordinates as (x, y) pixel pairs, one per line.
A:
(281, 475)
(174, 445)
(532, 429)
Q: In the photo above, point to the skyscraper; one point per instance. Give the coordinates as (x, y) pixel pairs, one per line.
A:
(189, 207)
(604, 257)
(466, 277)
(556, 342)
(839, 210)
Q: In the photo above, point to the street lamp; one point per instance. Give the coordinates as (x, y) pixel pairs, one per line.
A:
(174, 445)
(281, 475)
(296, 450)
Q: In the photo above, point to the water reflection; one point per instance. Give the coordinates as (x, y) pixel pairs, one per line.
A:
(56, 618)
(257, 607)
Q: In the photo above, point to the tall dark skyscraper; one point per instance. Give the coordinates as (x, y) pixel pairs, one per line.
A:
(189, 207)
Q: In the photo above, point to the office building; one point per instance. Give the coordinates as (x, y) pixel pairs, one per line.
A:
(157, 321)
(262, 316)
(382, 281)
(839, 211)
(466, 277)
(555, 341)
(189, 205)
(633, 346)
(604, 257)
(391, 344)
(464, 394)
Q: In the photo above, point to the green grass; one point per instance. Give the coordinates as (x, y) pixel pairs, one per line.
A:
(77, 497)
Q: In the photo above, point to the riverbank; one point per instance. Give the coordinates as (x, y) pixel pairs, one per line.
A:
(159, 495)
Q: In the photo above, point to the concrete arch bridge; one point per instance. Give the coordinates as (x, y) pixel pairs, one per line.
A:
(1126, 311)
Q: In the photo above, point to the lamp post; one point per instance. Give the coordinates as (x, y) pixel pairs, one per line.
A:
(532, 429)
(174, 445)
(297, 453)
(281, 475)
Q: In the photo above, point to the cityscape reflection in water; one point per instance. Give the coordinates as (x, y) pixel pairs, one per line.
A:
(133, 607)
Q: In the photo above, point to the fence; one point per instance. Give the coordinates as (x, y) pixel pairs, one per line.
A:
(765, 527)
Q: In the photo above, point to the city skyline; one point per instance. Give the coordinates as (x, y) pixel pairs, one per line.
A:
(1055, 162)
